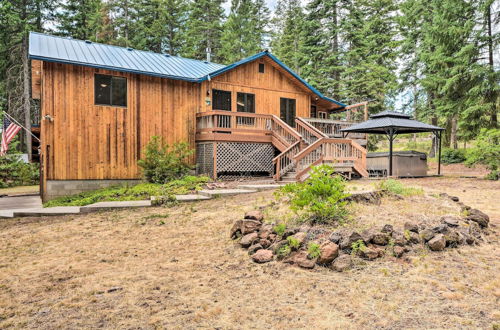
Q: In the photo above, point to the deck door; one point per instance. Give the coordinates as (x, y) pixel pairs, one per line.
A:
(288, 111)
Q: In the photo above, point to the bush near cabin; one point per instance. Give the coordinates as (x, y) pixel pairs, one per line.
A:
(14, 172)
(486, 152)
(163, 162)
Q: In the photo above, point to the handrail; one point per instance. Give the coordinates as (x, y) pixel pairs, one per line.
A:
(318, 133)
(309, 132)
(232, 113)
(285, 161)
(286, 127)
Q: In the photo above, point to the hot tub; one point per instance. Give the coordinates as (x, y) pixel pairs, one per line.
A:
(404, 164)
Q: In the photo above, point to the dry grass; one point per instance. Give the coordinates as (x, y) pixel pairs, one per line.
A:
(177, 268)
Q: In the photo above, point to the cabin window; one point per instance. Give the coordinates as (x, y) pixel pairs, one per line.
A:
(261, 67)
(110, 90)
(221, 100)
(322, 115)
(245, 103)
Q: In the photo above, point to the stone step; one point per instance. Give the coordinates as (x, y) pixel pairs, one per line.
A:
(39, 212)
(114, 205)
(225, 192)
(191, 198)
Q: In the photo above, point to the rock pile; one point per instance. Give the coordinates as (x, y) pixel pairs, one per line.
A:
(266, 242)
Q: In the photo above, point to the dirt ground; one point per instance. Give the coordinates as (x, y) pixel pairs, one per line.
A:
(177, 268)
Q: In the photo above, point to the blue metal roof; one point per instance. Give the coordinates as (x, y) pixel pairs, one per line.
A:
(72, 51)
(281, 64)
(51, 48)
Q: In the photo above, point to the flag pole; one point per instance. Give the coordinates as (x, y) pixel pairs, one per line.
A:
(17, 123)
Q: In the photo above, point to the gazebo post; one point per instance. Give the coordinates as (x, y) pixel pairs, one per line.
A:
(391, 134)
(439, 153)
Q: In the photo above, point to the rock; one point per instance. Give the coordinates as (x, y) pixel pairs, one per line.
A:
(301, 259)
(265, 231)
(350, 238)
(300, 236)
(387, 229)
(290, 232)
(236, 230)
(262, 256)
(115, 288)
(277, 245)
(441, 229)
(479, 217)
(304, 228)
(399, 238)
(342, 263)
(248, 239)
(450, 221)
(427, 234)
(367, 235)
(248, 226)
(411, 227)
(254, 215)
(454, 198)
(380, 239)
(335, 238)
(438, 243)
(265, 243)
(414, 238)
(452, 239)
(370, 252)
(398, 251)
(329, 251)
(254, 248)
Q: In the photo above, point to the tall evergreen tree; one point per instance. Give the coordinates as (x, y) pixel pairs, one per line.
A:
(287, 39)
(204, 30)
(80, 19)
(245, 29)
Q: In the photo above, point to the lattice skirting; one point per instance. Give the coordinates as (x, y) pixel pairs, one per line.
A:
(234, 158)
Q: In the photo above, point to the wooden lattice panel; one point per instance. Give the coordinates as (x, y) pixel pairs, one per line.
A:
(244, 157)
(205, 158)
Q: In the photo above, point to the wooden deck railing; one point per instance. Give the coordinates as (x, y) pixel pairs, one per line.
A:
(332, 127)
(334, 151)
(310, 133)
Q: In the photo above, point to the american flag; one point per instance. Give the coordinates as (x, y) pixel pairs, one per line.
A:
(9, 131)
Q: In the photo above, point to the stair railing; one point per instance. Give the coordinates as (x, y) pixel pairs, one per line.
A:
(310, 133)
(285, 162)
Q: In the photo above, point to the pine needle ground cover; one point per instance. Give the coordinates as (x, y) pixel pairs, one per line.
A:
(177, 267)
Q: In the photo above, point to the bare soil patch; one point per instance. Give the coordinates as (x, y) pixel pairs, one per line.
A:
(177, 268)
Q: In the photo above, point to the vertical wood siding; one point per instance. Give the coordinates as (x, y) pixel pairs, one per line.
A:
(87, 141)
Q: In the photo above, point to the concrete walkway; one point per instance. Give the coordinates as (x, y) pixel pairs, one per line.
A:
(20, 202)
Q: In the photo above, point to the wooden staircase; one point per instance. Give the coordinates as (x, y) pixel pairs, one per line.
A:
(312, 148)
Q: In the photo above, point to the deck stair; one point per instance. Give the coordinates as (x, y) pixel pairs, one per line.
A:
(346, 156)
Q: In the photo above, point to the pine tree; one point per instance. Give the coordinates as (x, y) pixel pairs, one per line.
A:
(80, 19)
(245, 29)
(204, 30)
(287, 39)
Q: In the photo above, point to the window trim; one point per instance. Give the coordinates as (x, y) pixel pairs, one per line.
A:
(111, 92)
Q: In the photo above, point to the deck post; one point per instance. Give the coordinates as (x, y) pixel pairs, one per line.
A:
(390, 151)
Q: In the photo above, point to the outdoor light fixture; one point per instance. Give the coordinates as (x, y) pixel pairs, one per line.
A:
(48, 117)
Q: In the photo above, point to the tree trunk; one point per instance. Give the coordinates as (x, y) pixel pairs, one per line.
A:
(453, 133)
(493, 118)
(26, 94)
(433, 152)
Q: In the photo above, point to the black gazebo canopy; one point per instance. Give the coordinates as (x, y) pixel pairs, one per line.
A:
(392, 123)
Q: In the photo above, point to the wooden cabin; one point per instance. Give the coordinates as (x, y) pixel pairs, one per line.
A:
(101, 104)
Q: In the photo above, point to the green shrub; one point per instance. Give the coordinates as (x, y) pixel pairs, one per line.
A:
(313, 250)
(141, 191)
(358, 246)
(15, 172)
(293, 242)
(486, 152)
(452, 156)
(279, 229)
(163, 163)
(396, 187)
(284, 251)
(320, 197)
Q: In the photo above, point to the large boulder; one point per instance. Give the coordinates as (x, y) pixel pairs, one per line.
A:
(371, 252)
(479, 217)
(248, 226)
(427, 234)
(438, 243)
(342, 263)
(235, 230)
(329, 251)
(380, 239)
(350, 238)
(262, 256)
(335, 237)
(410, 226)
(248, 239)
(254, 248)
(387, 229)
(301, 259)
(414, 238)
(254, 215)
(399, 238)
(450, 221)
